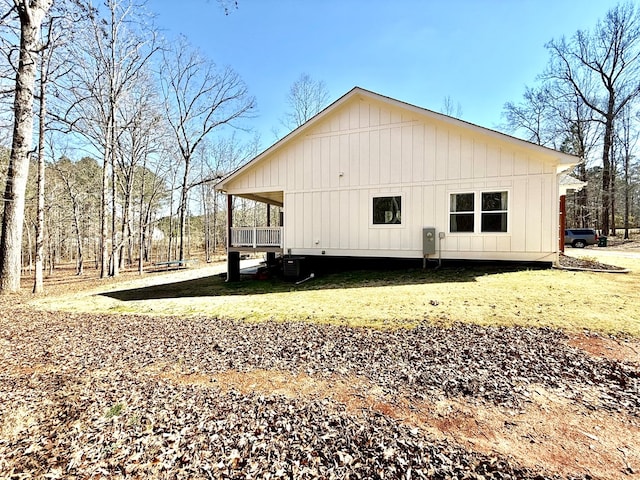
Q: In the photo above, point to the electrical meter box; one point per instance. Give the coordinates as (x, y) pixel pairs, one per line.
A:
(428, 241)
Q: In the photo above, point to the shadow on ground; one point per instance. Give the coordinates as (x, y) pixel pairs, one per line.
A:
(325, 277)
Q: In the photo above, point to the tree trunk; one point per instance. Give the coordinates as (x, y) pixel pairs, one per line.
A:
(606, 175)
(183, 207)
(141, 219)
(148, 235)
(104, 199)
(115, 247)
(205, 224)
(170, 242)
(29, 250)
(111, 134)
(215, 222)
(51, 256)
(627, 189)
(612, 197)
(31, 16)
(124, 255)
(79, 249)
(38, 283)
(582, 198)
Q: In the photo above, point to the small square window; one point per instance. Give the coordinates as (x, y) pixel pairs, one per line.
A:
(387, 210)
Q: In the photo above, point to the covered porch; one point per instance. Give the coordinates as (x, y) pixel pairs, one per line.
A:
(267, 239)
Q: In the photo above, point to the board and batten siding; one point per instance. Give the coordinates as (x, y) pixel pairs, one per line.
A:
(366, 148)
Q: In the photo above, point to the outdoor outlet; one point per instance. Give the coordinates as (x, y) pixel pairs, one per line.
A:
(440, 235)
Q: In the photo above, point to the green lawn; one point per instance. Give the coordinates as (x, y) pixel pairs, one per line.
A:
(573, 301)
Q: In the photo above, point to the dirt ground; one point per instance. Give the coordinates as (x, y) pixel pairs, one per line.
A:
(553, 429)
(550, 433)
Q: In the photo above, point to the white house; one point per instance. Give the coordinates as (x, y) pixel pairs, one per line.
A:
(367, 175)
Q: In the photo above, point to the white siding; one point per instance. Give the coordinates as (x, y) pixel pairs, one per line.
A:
(364, 148)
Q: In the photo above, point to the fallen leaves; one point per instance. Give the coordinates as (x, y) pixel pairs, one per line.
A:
(83, 396)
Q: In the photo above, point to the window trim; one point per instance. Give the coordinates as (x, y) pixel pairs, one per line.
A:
(372, 196)
(493, 212)
(463, 212)
(477, 211)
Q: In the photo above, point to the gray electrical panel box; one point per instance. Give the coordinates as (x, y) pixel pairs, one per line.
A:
(428, 241)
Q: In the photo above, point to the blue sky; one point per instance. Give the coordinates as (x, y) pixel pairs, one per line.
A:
(480, 53)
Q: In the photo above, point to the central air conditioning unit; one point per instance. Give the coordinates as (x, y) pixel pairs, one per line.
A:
(292, 266)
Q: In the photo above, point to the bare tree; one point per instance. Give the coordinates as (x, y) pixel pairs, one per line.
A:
(450, 108)
(219, 158)
(306, 98)
(31, 14)
(553, 115)
(575, 133)
(153, 192)
(602, 68)
(142, 127)
(111, 57)
(60, 22)
(80, 185)
(199, 98)
(531, 116)
(38, 281)
(627, 136)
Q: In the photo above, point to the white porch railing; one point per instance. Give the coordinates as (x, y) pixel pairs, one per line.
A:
(256, 237)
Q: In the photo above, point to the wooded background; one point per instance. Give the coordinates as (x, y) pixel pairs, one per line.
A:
(132, 131)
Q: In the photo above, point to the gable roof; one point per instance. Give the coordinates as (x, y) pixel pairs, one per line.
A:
(564, 160)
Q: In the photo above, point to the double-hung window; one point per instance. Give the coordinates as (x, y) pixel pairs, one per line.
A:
(478, 212)
(494, 212)
(461, 212)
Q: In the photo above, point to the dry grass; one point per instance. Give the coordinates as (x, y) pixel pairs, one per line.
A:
(572, 301)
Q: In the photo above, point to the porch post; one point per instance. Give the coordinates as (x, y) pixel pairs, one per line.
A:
(563, 220)
(233, 258)
(271, 256)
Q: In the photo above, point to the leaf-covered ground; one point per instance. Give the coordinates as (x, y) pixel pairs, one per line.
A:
(91, 396)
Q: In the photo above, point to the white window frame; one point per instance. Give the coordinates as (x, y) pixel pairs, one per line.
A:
(387, 225)
(477, 211)
(472, 212)
(482, 211)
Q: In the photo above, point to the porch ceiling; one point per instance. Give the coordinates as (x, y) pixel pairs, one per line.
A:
(272, 198)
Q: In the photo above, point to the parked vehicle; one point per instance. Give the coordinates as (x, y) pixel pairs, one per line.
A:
(580, 237)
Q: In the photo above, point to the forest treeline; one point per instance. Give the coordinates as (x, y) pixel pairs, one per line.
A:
(131, 133)
(586, 102)
(114, 136)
